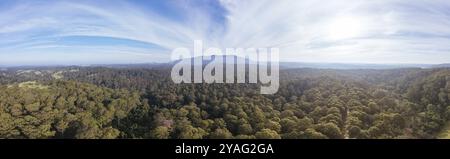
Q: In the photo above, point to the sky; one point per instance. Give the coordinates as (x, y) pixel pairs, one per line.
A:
(82, 32)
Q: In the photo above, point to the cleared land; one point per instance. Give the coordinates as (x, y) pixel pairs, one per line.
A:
(445, 133)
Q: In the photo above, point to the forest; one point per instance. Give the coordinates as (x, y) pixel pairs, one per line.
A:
(142, 102)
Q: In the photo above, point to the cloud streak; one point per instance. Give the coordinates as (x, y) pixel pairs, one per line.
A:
(355, 31)
(384, 31)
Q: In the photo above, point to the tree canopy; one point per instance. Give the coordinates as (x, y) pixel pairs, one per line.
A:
(99, 102)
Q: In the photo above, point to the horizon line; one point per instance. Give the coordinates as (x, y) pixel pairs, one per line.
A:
(159, 63)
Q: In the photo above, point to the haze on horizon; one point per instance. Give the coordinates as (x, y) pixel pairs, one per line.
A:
(63, 32)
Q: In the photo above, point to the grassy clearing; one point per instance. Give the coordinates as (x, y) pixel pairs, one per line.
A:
(58, 75)
(32, 84)
(445, 133)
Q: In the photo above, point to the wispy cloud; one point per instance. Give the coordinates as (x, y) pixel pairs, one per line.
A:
(382, 31)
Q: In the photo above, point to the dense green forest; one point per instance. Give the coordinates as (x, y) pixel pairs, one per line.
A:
(141, 102)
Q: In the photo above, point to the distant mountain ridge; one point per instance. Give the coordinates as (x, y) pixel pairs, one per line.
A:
(291, 65)
(283, 65)
(444, 65)
(351, 65)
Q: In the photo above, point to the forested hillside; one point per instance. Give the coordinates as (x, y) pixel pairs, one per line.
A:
(63, 110)
(99, 102)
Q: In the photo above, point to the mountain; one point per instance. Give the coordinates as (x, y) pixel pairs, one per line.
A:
(445, 65)
(288, 65)
(237, 59)
(283, 65)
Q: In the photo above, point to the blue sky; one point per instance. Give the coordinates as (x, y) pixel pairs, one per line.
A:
(137, 31)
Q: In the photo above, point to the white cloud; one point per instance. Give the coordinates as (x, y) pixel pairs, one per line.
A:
(361, 31)
(381, 31)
